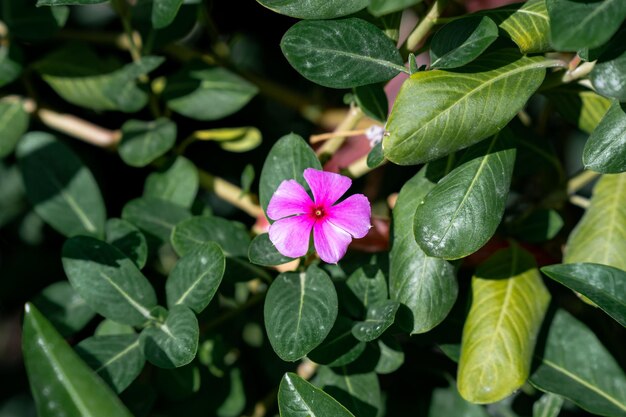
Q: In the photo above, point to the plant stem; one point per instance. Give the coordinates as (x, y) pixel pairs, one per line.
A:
(230, 193)
(331, 146)
(425, 25)
(580, 180)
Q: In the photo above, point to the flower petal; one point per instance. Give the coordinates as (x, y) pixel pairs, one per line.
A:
(290, 198)
(327, 187)
(291, 235)
(331, 242)
(352, 215)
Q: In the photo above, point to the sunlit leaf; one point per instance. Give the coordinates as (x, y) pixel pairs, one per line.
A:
(461, 41)
(585, 108)
(128, 239)
(368, 286)
(298, 398)
(143, 142)
(359, 393)
(315, 9)
(605, 150)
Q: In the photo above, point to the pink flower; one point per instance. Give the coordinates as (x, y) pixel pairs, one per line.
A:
(334, 225)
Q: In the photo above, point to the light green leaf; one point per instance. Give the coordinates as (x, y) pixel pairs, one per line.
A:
(600, 236)
(383, 7)
(427, 286)
(263, 252)
(128, 239)
(155, 217)
(300, 310)
(233, 139)
(164, 12)
(287, 160)
(315, 9)
(65, 309)
(143, 142)
(575, 365)
(462, 212)
(59, 381)
(195, 278)
(604, 285)
(372, 100)
(197, 231)
(438, 112)
(298, 398)
(174, 342)
(359, 393)
(605, 150)
(10, 63)
(367, 286)
(61, 189)
(67, 2)
(375, 157)
(13, 124)
(579, 106)
(448, 402)
(380, 317)
(549, 405)
(109, 327)
(360, 52)
(340, 347)
(118, 359)
(176, 182)
(608, 76)
(509, 301)
(30, 23)
(107, 280)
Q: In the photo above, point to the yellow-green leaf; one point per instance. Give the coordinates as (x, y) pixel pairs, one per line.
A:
(234, 139)
(578, 105)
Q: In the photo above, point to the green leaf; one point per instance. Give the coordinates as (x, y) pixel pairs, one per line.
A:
(118, 359)
(538, 226)
(579, 106)
(427, 286)
(287, 160)
(176, 182)
(67, 2)
(604, 285)
(107, 280)
(462, 41)
(462, 212)
(173, 343)
(609, 73)
(375, 157)
(65, 309)
(315, 9)
(380, 317)
(205, 93)
(128, 239)
(109, 327)
(13, 124)
(575, 25)
(448, 402)
(143, 142)
(340, 347)
(549, 405)
(195, 278)
(605, 150)
(247, 178)
(509, 301)
(438, 112)
(391, 355)
(372, 100)
(263, 252)
(360, 52)
(164, 12)
(574, 364)
(359, 393)
(232, 139)
(298, 398)
(384, 7)
(61, 189)
(155, 217)
(60, 382)
(30, 23)
(300, 309)
(367, 286)
(10, 63)
(599, 237)
(197, 231)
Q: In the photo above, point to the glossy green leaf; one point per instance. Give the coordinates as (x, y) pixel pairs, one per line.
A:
(287, 160)
(359, 393)
(360, 52)
(367, 286)
(600, 236)
(164, 12)
(177, 182)
(549, 405)
(448, 402)
(143, 142)
(109, 327)
(300, 310)
(174, 342)
(604, 285)
(128, 239)
(107, 280)
(13, 124)
(59, 380)
(65, 309)
(380, 317)
(118, 359)
(233, 139)
(205, 93)
(195, 278)
(605, 150)
(61, 189)
(427, 286)
(575, 365)
(608, 76)
(578, 105)
(509, 301)
(197, 231)
(372, 100)
(575, 24)
(298, 398)
(340, 347)
(538, 226)
(315, 9)
(462, 212)
(462, 41)
(30, 23)
(67, 2)
(10, 64)
(438, 112)
(155, 217)
(391, 355)
(376, 156)
(263, 252)
(384, 7)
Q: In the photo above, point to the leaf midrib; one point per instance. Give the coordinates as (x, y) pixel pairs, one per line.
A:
(352, 55)
(118, 355)
(135, 304)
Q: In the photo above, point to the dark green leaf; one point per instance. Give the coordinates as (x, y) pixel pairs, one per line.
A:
(179, 383)
(263, 252)
(155, 217)
(372, 100)
(360, 53)
(391, 356)
(438, 112)
(67, 2)
(298, 398)
(427, 286)
(117, 359)
(128, 239)
(575, 365)
(549, 405)
(59, 380)
(60, 187)
(300, 310)
(602, 284)
(383, 7)
(605, 151)
(448, 402)
(109, 281)
(340, 347)
(462, 41)
(195, 232)
(143, 142)
(10, 64)
(65, 309)
(109, 327)
(30, 23)
(315, 9)
(176, 182)
(538, 226)
(380, 317)
(580, 106)
(247, 178)
(609, 74)
(164, 12)
(376, 156)
(359, 393)
(368, 286)
(13, 124)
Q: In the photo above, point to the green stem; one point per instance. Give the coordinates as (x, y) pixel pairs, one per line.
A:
(425, 25)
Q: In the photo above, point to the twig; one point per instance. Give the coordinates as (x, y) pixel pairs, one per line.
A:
(325, 136)
(230, 193)
(579, 201)
(425, 25)
(331, 146)
(579, 181)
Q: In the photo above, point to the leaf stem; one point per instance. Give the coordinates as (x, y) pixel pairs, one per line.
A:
(331, 146)
(230, 193)
(580, 180)
(425, 25)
